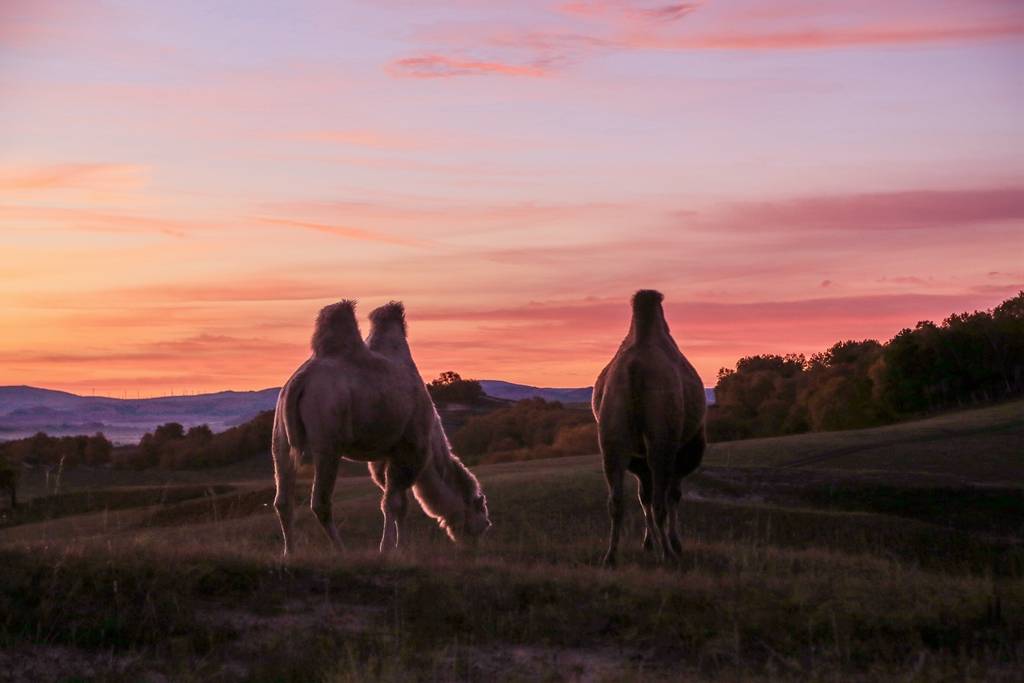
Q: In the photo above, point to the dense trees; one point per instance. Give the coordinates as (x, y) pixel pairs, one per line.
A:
(169, 446)
(449, 387)
(526, 429)
(52, 451)
(969, 358)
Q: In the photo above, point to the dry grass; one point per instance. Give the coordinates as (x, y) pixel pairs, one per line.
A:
(803, 587)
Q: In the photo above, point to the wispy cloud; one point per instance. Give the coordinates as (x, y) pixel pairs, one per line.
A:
(89, 220)
(84, 176)
(342, 231)
(910, 210)
(579, 30)
(818, 38)
(441, 66)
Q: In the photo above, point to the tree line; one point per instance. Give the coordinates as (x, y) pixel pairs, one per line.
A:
(968, 359)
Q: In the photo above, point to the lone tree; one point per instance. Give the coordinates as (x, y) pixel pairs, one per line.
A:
(449, 387)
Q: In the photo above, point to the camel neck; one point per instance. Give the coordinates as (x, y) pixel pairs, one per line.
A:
(647, 324)
(438, 496)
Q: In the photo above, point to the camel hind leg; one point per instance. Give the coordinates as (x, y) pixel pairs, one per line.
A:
(639, 468)
(616, 460)
(661, 461)
(284, 500)
(687, 460)
(325, 474)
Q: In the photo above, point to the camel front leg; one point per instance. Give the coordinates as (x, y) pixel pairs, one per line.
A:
(394, 505)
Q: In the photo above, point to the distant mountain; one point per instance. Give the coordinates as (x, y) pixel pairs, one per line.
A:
(518, 392)
(26, 410)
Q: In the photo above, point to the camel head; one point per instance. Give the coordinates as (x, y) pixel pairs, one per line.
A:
(648, 314)
(475, 521)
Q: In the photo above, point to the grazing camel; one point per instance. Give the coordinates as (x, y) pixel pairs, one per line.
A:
(368, 403)
(649, 404)
(9, 483)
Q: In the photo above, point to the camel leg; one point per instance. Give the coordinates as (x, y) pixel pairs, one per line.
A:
(394, 505)
(614, 472)
(325, 473)
(639, 468)
(661, 478)
(284, 477)
(675, 494)
(688, 460)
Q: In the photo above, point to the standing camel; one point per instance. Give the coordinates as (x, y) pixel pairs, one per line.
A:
(349, 400)
(649, 404)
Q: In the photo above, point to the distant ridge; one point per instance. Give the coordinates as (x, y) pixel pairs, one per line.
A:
(517, 392)
(25, 410)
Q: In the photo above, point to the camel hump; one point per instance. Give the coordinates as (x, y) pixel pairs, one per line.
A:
(391, 313)
(337, 330)
(648, 316)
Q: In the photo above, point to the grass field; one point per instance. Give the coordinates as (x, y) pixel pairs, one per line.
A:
(885, 554)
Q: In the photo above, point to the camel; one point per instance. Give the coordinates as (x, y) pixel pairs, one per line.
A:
(9, 483)
(367, 402)
(650, 406)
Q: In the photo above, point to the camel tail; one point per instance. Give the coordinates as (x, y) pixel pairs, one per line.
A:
(289, 438)
(336, 332)
(647, 313)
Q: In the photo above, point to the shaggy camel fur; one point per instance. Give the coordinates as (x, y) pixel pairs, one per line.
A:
(649, 403)
(368, 403)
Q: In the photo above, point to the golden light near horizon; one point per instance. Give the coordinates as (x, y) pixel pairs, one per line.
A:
(180, 190)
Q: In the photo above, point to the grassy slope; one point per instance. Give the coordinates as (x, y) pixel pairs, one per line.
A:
(981, 445)
(792, 584)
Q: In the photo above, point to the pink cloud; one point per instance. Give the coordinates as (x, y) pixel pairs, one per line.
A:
(920, 209)
(588, 28)
(361, 138)
(103, 177)
(831, 37)
(342, 231)
(96, 221)
(440, 66)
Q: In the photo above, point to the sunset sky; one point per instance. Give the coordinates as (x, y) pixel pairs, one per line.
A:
(184, 185)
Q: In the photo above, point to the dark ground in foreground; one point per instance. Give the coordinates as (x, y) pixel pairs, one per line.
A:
(891, 553)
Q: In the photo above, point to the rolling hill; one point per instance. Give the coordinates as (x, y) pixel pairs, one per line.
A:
(25, 410)
(881, 554)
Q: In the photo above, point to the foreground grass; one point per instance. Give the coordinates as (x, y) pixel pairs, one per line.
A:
(194, 590)
(786, 574)
(762, 612)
